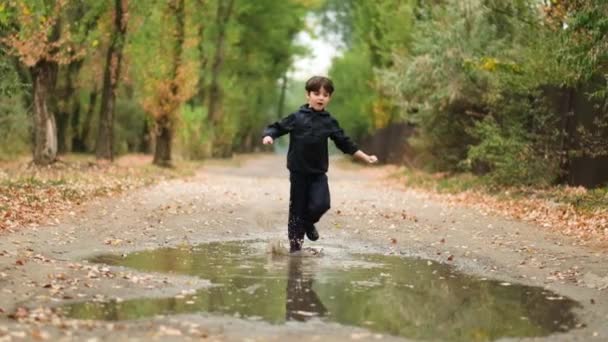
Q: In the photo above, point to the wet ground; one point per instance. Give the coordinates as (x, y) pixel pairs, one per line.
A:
(189, 259)
(394, 295)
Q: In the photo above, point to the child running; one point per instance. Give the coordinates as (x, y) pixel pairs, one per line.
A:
(307, 159)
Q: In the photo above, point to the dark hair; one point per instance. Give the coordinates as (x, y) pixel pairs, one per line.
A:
(315, 83)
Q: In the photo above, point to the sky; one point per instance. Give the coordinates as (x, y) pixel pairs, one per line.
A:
(322, 51)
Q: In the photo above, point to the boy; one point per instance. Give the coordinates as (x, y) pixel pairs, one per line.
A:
(307, 159)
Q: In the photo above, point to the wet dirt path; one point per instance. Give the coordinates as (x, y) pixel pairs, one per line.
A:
(247, 199)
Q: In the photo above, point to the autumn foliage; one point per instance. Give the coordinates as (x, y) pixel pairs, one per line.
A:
(41, 37)
(167, 96)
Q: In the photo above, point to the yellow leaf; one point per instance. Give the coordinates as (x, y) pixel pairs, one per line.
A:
(489, 64)
(26, 11)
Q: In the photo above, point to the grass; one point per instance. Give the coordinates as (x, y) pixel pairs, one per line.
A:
(584, 200)
(574, 211)
(444, 183)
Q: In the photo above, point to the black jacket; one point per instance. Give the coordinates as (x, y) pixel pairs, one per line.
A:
(309, 131)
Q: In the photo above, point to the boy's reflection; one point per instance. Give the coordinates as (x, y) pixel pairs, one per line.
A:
(302, 302)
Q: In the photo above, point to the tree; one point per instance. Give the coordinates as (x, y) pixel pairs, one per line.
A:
(105, 136)
(257, 60)
(222, 19)
(41, 43)
(373, 33)
(236, 50)
(84, 19)
(172, 80)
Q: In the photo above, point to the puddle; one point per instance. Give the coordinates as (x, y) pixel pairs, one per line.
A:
(387, 294)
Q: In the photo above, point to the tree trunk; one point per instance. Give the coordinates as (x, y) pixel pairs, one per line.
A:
(145, 143)
(78, 131)
(66, 111)
(63, 120)
(281, 105)
(75, 125)
(565, 143)
(45, 129)
(79, 141)
(164, 139)
(248, 142)
(221, 21)
(105, 133)
(164, 123)
(180, 37)
(199, 98)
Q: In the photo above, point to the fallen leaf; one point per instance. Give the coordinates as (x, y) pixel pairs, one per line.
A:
(40, 335)
(19, 313)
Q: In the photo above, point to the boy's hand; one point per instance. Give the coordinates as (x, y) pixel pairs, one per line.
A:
(366, 157)
(267, 140)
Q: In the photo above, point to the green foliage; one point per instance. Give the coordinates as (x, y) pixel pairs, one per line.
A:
(353, 100)
(5, 15)
(586, 40)
(481, 79)
(260, 52)
(14, 121)
(150, 47)
(295, 96)
(588, 201)
(440, 86)
(192, 136)
(441, 182)
(373, 32)
(477, 82)
(508, 154)
(129, 126)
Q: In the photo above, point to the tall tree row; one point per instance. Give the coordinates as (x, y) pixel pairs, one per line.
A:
(157, 76)
(514, 91)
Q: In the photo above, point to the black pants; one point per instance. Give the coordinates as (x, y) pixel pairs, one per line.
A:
(309, 200)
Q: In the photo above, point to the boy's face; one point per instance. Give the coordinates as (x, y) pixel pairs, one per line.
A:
(319, 99)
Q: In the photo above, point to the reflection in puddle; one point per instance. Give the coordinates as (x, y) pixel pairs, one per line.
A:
(399, 296)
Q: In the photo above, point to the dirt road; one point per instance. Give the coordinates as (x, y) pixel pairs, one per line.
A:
(43, 267)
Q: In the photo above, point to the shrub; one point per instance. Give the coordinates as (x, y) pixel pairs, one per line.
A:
(508, 157)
